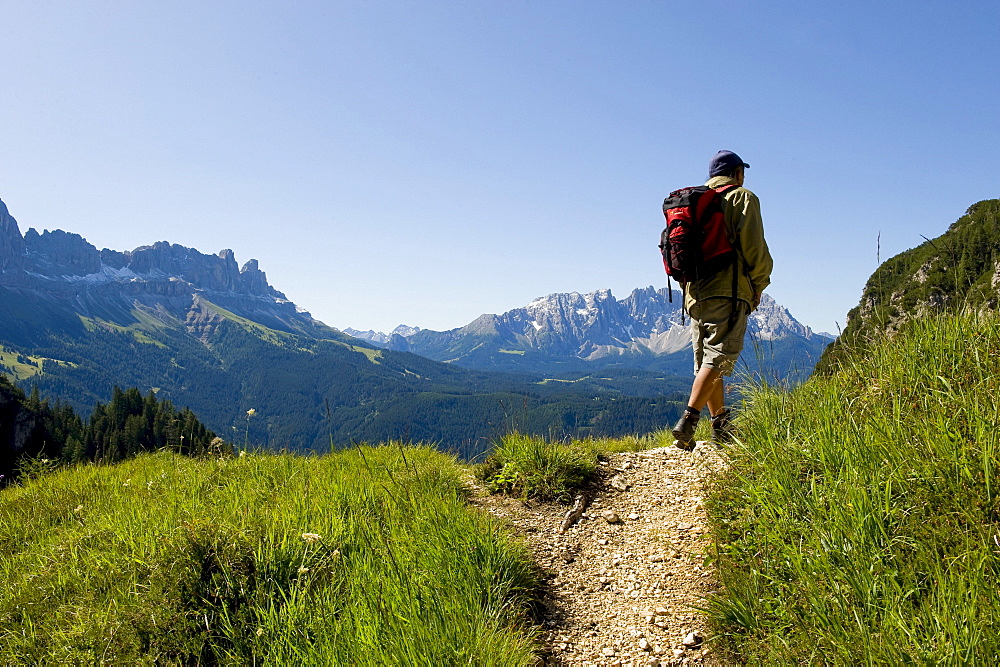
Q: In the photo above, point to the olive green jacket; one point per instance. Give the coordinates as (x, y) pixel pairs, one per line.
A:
(742, 211)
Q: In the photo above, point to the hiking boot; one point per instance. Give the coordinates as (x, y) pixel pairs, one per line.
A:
(722, 428)
(684, 430)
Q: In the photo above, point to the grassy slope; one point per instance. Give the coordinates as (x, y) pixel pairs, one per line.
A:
(859, 520)
(170, 559)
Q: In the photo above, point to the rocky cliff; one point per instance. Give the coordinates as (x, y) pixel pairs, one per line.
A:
(12, 250)
(594, 327)
(161, 277)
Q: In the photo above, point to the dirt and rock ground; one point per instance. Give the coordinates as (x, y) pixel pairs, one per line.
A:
(624, 581)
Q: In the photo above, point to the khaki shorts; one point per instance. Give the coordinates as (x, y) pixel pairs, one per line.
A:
(716, 343)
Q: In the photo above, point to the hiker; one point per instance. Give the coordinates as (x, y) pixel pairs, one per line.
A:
(720, 303)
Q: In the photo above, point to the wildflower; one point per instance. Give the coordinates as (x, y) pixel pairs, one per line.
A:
(311, 537)
(128, 482)
(243, 453)
(303, 570)
(260, 631)
(251, 412)
(78, 510)
(149, 484)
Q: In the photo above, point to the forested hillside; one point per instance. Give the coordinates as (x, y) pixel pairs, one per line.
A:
(35, 434)
(308, 392)
(959, 269)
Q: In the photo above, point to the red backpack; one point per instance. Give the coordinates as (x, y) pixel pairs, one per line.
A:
(695, 243)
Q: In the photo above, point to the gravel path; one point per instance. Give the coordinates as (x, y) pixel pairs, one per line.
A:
(623, 580)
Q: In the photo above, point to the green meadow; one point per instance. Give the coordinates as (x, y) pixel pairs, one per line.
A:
(367, 556)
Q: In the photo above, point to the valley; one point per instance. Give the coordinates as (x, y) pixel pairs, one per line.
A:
(205, 333)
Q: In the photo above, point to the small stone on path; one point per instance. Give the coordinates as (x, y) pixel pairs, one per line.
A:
(692, 639)
(618, 483)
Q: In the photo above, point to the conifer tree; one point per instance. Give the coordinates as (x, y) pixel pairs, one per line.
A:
(127, 425)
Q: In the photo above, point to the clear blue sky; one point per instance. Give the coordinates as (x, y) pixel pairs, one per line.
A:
(425, 162)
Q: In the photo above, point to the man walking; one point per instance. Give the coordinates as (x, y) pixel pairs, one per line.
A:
(718, 316)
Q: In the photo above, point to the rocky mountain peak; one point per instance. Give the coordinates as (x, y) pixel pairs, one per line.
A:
(228, 258)
(212, 272)
(658, 309)
(394, 340)
(114, 258)
(64, 262)
(59, 253)
(590, 327)
(12, 248)
(772, 320)
(254, 281)
(167, 281)
(405, 330)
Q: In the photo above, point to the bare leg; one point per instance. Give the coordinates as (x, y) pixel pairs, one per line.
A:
(717, 399)
(707, 390)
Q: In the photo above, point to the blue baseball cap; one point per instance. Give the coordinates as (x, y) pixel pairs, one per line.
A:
(723, 161)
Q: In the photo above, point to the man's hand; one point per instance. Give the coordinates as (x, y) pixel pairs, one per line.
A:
(756, 301)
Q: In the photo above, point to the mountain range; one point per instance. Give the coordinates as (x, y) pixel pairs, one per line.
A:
(201, 331)
(574, 333)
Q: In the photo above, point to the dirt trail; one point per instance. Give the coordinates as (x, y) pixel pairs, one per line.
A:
(623, 579)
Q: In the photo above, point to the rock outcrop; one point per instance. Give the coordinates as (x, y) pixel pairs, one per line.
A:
(56, 260)
(162, 279)
(12, 251)
(252, 280)
(59, 253)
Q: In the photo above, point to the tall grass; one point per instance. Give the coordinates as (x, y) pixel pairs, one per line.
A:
(367, 556)
(533, 467)
(859, 520)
